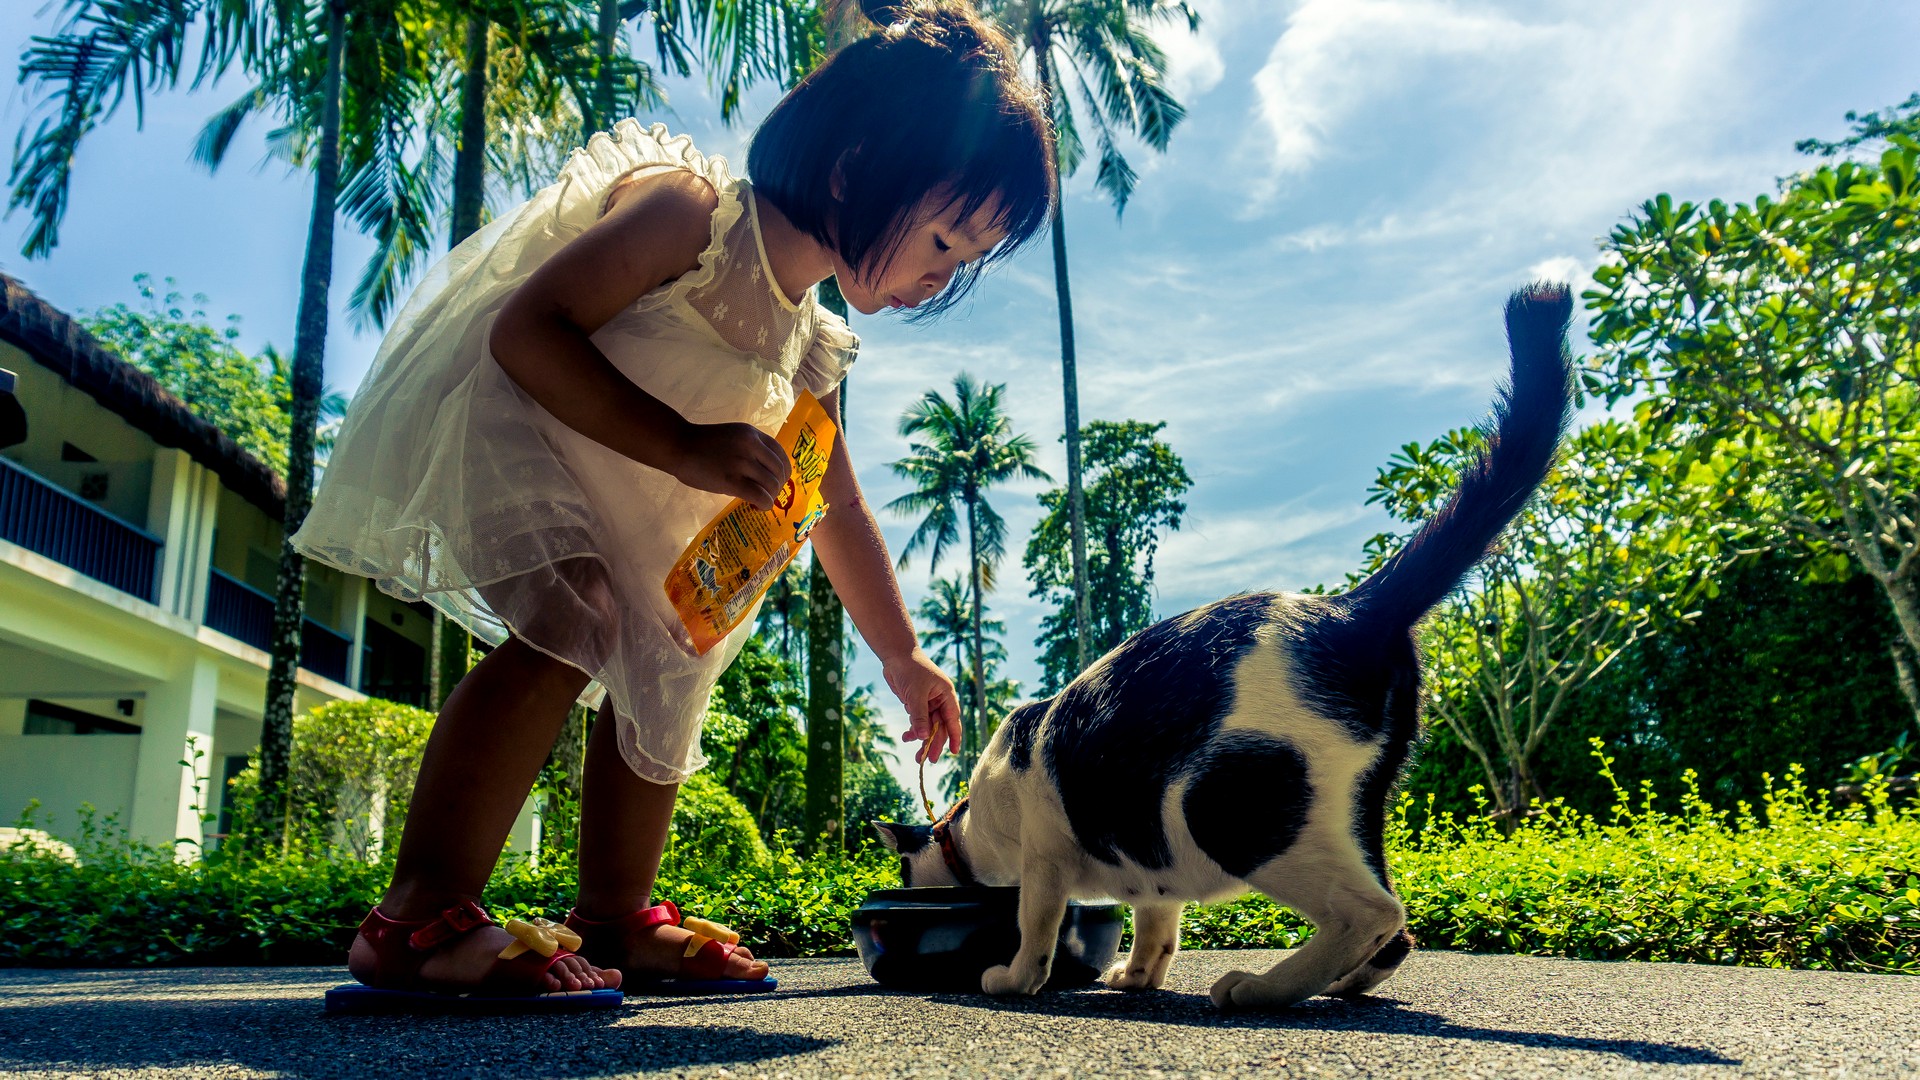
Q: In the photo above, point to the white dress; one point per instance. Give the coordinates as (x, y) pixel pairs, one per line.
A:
(449, 484)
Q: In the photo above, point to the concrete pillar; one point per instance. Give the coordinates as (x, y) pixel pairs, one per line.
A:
(181, 509)
(356, 605)
(177, 725)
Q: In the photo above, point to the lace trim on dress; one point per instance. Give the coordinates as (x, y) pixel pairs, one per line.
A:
(611, 157)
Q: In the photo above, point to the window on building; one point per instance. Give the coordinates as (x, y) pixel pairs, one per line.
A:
(47, 718)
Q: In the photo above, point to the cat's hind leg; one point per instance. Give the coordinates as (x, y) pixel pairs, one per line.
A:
(1156, 937)
(1378, 968)
(1353, 916)
(1043, 903)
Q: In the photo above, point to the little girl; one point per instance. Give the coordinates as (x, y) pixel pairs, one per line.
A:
(578, 388)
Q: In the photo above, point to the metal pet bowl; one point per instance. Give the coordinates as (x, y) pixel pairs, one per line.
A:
(945, 939)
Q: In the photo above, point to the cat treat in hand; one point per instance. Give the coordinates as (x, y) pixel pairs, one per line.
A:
(733, 561)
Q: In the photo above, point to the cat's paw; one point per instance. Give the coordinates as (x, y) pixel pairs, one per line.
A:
(1245, 990)
(1138, 977)
(1003, 981)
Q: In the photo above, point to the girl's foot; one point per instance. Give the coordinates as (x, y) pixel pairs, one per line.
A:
(388, 954)
(650, 943)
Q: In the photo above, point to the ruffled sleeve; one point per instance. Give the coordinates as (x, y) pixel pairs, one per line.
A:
(831, 354)
(592, 171)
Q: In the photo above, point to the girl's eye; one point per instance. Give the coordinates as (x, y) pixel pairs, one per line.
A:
(942, 245)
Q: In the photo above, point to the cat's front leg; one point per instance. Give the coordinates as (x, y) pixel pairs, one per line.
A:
(1156, 937)
(1043, 903)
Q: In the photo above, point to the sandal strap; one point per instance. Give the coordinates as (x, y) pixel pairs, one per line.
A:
(401, 946)
(646, 918)
(706, 958)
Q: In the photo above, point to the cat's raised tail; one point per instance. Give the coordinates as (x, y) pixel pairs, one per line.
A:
(1529, 417)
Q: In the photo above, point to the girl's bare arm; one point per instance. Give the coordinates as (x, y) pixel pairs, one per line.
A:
(848, 543)
(654, 232)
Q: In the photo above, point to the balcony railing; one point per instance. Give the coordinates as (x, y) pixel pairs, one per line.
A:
(244, 613)
(72, 531)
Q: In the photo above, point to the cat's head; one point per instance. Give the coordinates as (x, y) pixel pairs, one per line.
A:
(920, 863)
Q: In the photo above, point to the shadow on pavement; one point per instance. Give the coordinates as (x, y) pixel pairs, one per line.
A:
(1373, 1015)
(293, 1038)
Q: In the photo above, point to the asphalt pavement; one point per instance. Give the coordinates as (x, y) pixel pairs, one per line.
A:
(1443, 1015)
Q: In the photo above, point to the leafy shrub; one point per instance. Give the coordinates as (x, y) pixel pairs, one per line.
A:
(1798, 884)
(350, 777)
(1792, 883)
(711, 826)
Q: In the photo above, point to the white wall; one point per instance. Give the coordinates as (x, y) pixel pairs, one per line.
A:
(64, 771)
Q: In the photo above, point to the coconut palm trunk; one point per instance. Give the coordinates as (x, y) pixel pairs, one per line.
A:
(309, 350)
(1069, 375)
(602, 111)
(970, 736)
(451, 644)
(826, 674)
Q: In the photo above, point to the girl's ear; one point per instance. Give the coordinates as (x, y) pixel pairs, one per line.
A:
(903, 839)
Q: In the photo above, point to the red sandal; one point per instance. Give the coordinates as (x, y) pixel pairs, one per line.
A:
(516, 983)
(703, 966)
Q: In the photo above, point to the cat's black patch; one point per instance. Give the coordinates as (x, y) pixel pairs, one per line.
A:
(1348, 662)
(1119, 735)
(1021, 725)
(1361, 670)
(903, 839)
(1246, 800)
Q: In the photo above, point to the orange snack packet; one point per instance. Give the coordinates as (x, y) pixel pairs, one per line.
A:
(733, 561)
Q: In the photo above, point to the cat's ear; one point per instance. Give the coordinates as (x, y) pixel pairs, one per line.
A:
(903, 839)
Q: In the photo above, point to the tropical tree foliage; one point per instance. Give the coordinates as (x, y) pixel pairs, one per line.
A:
(959, 450)
(1615, 548)
(1134, 488)
(1784, 336)
(1100, 53)
(248, 397)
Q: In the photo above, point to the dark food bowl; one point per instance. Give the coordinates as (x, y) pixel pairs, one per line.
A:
(945, 939)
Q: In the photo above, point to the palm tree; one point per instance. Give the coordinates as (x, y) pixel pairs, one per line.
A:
(311, 58)
(1102, 49)
(946, 631)
(964, 448)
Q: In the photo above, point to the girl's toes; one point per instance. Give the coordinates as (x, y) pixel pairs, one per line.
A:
(745, 967)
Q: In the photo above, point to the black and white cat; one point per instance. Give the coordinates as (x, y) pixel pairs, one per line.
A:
(1252, 744)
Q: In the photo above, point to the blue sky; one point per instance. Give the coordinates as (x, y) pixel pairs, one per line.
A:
(1309, 278)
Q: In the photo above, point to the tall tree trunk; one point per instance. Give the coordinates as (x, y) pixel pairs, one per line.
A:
(451, 644)
(602, 117)
(1069, 378)
(826, 673)
(309, 352)
(970, 736)
(1116, 621)
(470, 156)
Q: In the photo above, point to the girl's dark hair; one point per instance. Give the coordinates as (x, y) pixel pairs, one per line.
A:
(930, 102)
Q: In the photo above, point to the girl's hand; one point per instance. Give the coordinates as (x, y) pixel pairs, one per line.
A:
(932, 707)
(731, 459)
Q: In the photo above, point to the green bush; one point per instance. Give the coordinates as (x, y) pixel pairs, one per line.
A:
(711, 826)
(1796, 884)
(350, 778)
(1791, 883)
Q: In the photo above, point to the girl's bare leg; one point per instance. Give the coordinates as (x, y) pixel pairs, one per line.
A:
(485, 752)
(623, 831)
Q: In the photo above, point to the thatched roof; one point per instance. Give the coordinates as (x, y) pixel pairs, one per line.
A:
(56, 341)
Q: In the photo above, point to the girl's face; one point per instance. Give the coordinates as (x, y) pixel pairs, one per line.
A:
(936, 244)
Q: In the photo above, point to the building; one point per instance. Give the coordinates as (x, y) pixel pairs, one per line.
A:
(139, 547)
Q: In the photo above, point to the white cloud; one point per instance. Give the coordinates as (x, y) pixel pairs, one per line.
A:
(1272, 547)
(1335, 54)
